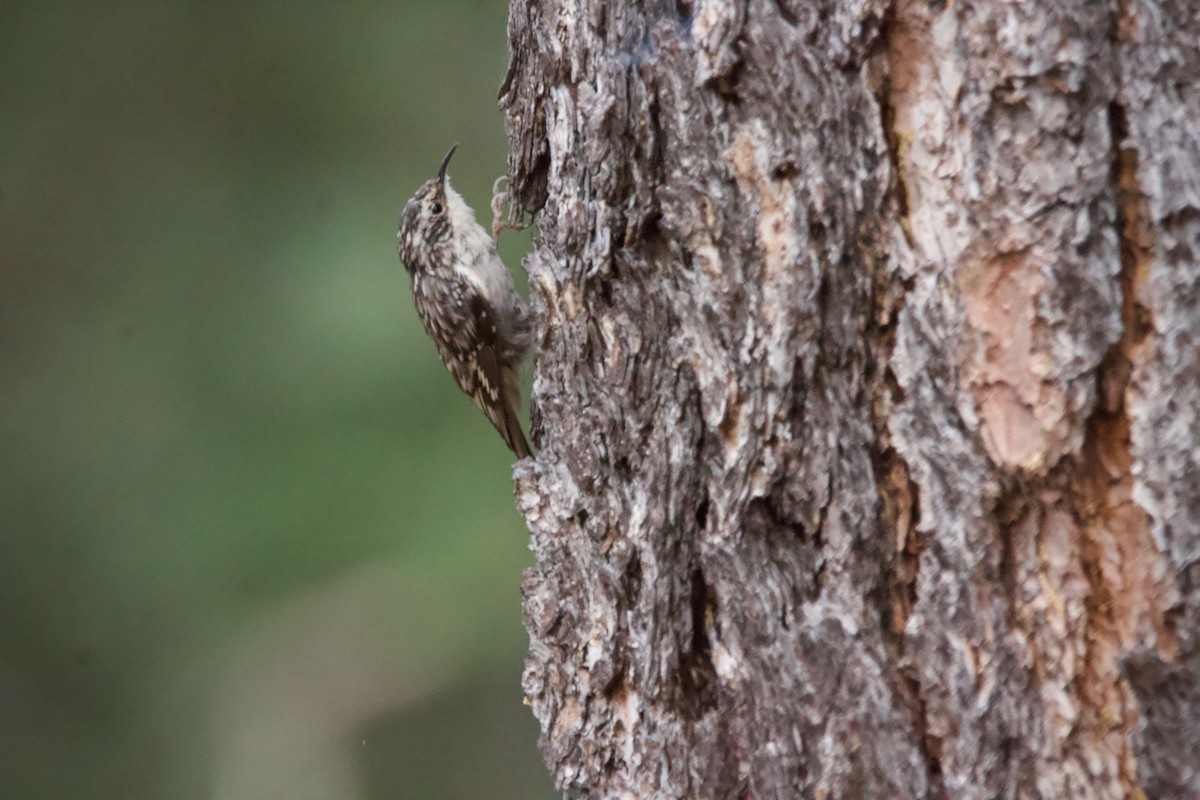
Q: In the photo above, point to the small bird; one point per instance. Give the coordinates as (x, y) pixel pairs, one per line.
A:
(466, 300)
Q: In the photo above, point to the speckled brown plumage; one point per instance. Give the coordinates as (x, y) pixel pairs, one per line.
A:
(466, 301)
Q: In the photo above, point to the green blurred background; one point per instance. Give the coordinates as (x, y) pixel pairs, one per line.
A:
(253, 543)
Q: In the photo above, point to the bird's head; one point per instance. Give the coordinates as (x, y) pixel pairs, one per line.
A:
(427, 224)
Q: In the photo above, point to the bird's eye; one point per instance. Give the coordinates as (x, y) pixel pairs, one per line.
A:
(436, 208)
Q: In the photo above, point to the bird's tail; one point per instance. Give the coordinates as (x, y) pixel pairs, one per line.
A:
(510, 426)
(514, 437)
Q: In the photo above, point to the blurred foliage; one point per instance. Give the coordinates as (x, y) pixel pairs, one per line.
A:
(248, 526)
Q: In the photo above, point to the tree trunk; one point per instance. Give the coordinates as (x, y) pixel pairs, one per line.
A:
(867, 389)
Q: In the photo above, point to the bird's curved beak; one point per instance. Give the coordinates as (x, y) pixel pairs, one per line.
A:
(441, 173)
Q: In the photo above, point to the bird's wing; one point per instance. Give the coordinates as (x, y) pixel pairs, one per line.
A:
(490, 386)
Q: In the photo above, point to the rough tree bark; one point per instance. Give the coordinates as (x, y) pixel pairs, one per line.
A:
(867, 390)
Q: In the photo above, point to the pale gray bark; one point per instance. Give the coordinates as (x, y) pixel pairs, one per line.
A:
(867, 390)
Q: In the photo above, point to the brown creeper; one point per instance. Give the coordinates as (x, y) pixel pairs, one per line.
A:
(466, 300)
